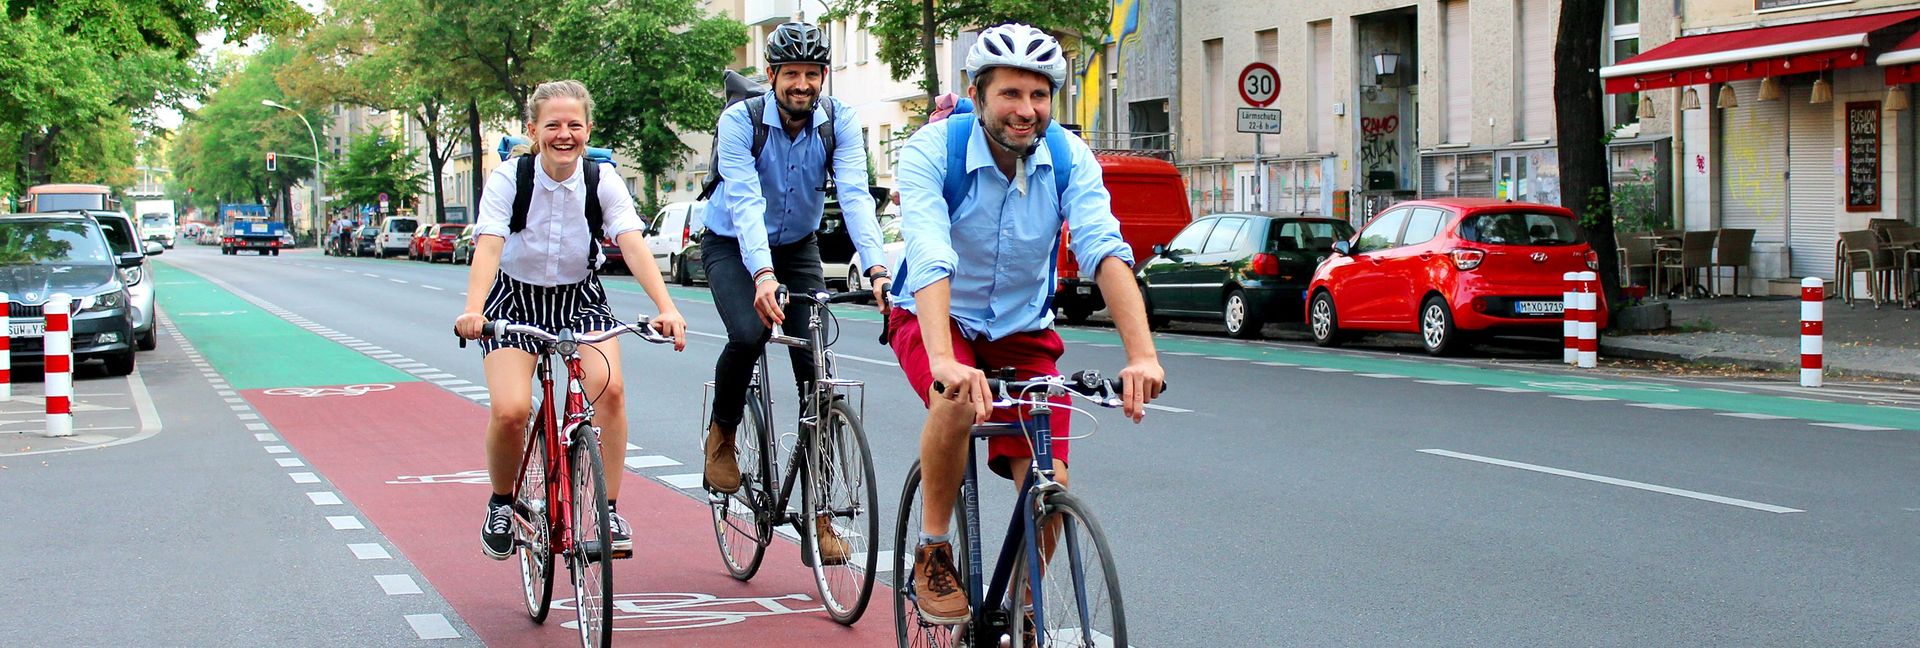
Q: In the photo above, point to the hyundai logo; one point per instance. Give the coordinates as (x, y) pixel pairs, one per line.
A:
(1539, 257)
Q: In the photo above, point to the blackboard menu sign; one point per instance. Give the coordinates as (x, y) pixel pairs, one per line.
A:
(1863, 156)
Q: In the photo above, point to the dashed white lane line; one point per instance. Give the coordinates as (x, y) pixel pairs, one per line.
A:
(1857, 427)
(1507, 390)
(371, 275)
(1443, 383)
(650, 461)
(256, 427)
(369, 551)
(408, 364)
(1583, 398)
(432, 626)
(1188, 354)
(432, 287)
(1379, 375)
(235, 400)
(1327, 369)
(1226, 358)
(1617, 482)
(398, 281)
(1165, 408)
(1276, 364)
(435, 376)
(226, 392)
(277, 449)
(683, 481)
(397, 584)
(467, 389)
(1753, 416)
(1663, 406)
(345, 522)
(304, 478)
(265, 437)
(324, 498)
(452, 383)
(289, 462)
(239, 408)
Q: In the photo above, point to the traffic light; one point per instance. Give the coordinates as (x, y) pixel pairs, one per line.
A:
(272, 163)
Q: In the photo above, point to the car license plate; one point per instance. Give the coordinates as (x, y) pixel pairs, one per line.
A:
(1083, 290)
(27, 329)
(1538, 307)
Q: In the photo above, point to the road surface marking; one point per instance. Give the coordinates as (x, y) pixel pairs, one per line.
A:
(265, 437)
(1379, 375)
(289, 462)
(1223, 358)
(304, 478)
(1164, 408)
(1276, 364)
(257, 427)
(684, 481)
(239, 408)
(369, 551)
(1182, 353)
(467, 389)
(397, 584)
(1753, 416)
(398, 281)
(1663, 406)
(236, 400)
(1327, 369)
(1617, 482)
(432, 626)
(1508, 390)
(324, 498)
(277, 449)
(650, 461)
(371, 275)
(435, 376)
(452, 383)
(421, 370)
(1857, 427)
(431, 287)
(1583, 398)
(227, 392)
(1443, 383)
(345, 522)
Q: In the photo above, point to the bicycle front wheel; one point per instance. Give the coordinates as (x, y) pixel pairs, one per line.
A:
(741, 521)
(1079, 586)
(591, 557)
(912, 630)
(840, 496)
(533, 532)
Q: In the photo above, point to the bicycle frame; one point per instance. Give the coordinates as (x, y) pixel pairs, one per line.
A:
(825, 388)
(578, 413)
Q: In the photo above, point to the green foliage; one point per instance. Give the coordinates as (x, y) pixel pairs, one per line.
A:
(906, 45)
(375, 165)
(653, 67)
(1634, 203)
(221, 149)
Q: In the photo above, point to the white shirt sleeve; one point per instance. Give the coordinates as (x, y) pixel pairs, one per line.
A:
(496, 202)
(617, 215)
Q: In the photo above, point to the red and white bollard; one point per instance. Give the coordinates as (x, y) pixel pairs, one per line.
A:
(1812, 331)
(6, 348)
(1570, 318)
(1589, 320)
(58, 347)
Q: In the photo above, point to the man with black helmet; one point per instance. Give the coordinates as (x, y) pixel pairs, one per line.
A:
(760, 228)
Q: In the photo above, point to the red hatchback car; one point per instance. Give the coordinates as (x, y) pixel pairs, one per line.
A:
(434, 242)
(1448, 268)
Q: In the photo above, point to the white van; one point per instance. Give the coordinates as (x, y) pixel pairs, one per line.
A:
(674, 228)
(396, 233)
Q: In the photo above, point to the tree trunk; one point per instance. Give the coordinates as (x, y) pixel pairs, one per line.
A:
(1582, 132)
(928, 58)
(473, 162)
(38, 157)
(436, 160)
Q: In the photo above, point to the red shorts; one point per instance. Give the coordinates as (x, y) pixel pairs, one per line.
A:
(1035, 353)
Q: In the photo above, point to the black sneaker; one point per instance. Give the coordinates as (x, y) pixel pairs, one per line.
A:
(496, 537)
(622, 535)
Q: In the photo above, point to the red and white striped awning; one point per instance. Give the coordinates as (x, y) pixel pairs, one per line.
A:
(1782, 50)
(1903, 61)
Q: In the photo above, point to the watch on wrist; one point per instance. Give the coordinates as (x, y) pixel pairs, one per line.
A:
(764, 277)
(877, 275)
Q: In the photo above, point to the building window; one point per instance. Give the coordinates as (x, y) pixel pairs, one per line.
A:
(1216, 100)
(1458, 39)
(839, 39)
(1320, 118)
(864, 44)
(1534, 81)
(1622, 43)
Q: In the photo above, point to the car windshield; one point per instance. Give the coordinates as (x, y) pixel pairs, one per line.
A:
(369, 230)
(48, 202)
(25, 242)
(1521, 228)
(119, 234)
(1308, 236)
(402, 225)
(156, 220)
(451, 230)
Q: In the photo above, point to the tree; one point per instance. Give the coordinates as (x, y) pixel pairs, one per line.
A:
(653, 67)
(1582, 132)
(221, 150)
(377, 164)
(907, 29)
(496, 45)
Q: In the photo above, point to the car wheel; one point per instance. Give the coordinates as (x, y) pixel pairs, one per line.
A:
(276, 253)
(1437, 332)
(150, 341)
(1238, 316)
(853, 279)
(1324, 321)
(120, 365)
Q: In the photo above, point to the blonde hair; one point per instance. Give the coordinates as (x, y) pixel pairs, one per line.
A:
(568, 88)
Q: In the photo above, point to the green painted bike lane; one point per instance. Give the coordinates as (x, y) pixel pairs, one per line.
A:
(1533, 381)
(255, 349)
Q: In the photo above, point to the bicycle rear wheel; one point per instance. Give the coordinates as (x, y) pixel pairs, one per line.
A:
(912, 630)
(1079, 586)
(741, 521)
(533, 531)
(840, 494)
(591, 559)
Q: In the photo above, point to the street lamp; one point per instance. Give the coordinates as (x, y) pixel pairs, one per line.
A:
(313, 216)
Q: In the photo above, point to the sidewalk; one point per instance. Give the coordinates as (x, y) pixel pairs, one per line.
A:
(1764, 333)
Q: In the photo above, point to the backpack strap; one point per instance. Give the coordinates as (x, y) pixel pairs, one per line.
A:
(522, 194)
(757, 115)
(829, 140)
(595, 216)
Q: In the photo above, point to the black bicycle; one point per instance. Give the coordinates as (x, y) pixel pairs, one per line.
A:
(1073, 598)
(828, 456)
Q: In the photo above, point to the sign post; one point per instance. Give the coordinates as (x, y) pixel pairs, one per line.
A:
(1259, 87)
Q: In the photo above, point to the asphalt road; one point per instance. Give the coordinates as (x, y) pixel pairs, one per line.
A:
(1287, 496)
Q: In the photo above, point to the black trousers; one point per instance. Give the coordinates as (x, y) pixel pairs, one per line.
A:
(796, 265)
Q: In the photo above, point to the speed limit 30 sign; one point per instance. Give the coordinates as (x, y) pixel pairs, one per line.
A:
(1259, 85)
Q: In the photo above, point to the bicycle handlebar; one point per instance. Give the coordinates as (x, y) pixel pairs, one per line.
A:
(498, 329)
(1088, 384)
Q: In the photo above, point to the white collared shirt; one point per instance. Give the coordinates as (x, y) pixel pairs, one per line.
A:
(552, 249)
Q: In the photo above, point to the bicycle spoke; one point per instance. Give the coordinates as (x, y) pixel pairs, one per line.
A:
(1080, 601)
(840, 494)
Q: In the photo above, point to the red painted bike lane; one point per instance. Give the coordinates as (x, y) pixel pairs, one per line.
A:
(410, 458)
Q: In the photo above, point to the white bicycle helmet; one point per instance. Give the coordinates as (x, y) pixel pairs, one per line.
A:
(1018, 46)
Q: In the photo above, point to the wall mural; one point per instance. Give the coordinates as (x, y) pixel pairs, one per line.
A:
(1145, 33)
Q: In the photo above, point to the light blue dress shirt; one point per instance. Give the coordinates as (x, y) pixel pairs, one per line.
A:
(775, 200)
(995, 248)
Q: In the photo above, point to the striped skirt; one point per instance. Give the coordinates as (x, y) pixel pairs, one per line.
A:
(579, 306)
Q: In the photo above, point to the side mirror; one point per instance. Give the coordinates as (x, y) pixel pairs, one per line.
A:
(653, 228)
(131, 260)
(1160, 249)
(154, 248)
(1343, 248)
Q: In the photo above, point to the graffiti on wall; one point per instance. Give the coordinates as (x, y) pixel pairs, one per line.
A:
(1144, 34)
(1380, 143)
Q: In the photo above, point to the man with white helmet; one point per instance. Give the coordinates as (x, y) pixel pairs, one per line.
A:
(976, 284)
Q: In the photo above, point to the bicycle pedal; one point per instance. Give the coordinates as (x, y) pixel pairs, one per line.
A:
(619, 554)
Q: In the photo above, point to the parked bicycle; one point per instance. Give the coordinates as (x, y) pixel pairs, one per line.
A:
(827, 455)
(561, 470)
(1073, 597)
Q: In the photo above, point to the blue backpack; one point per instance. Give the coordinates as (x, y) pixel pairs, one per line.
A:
(958, 180)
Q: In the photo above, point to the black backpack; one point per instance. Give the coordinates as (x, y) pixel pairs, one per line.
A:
(523, 199)
(740, 89)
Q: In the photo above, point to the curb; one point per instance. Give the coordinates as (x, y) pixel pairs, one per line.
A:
(1653, 350)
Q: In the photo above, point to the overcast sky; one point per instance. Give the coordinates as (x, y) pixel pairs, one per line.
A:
(212, 43)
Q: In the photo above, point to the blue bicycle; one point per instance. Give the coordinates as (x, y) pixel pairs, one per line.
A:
(1073, 598)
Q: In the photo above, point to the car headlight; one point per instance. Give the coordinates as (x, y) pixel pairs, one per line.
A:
(103, 301)
(133, 276)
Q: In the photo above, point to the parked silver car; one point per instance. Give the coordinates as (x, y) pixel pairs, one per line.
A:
(125, 240)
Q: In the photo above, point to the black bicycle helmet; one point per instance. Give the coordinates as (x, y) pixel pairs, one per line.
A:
(797, 42)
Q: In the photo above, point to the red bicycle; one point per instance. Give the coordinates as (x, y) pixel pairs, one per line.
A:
(561, 470)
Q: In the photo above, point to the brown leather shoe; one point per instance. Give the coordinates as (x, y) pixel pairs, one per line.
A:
(936, 585)
(723, 464)
(833, 549)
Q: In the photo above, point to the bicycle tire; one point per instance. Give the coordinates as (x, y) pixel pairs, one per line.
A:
(1068, 594)
(742, 525)
(838, 452)
(910, 629)
(534, 533)
(591, 558)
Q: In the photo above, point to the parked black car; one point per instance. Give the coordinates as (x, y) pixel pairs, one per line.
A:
(43, 254)
(1241, 269)
(366, 241)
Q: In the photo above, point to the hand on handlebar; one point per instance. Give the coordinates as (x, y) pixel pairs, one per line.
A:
(1140, 383)
(468, 325)
(674, 326)
(766, 302)
(880, 287)
(963, 385)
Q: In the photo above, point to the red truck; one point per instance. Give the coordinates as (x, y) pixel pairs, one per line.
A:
(1149, 199)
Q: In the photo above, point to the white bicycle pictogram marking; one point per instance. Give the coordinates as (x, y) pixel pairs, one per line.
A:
(1594, 386)
(687, 611)
(318, 392)
(464, 477)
